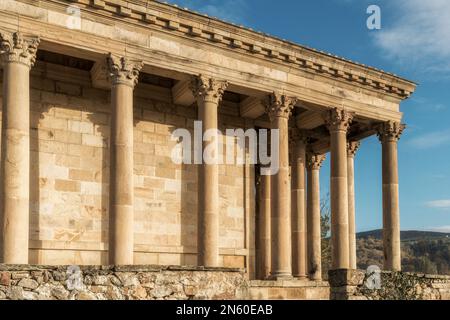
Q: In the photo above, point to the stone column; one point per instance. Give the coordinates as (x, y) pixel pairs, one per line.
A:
(352, 147)
(208, 93)
(389, 133)
(124, 76)
(313, 164)
(17, 54)
(264, 227)
(338, 122)
(279, 108)
(298, 198)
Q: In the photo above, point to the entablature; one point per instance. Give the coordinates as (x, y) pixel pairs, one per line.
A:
(177, 43)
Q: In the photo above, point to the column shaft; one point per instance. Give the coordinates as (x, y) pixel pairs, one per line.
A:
(264, 228)
(279, 108)
(208, 194)
(389, 135)
(351, 150)
(121, 221)
(313, 217)
(280, 215)
(208, 92)
(338, 122)
(298, 197)
(17, 58)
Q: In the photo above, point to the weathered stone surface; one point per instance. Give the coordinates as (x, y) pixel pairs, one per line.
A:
(15, 293)
(101, 283)
(86, 296)
(20, 275)
(28, 283)
(60, 293)
(342, 277)
(114, 293)
(358, 285)
(44, 291)
(5, 278)
(122, 283)
(101, 280)
(28, 295)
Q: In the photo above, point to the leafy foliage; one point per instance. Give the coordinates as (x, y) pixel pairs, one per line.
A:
(325, 227)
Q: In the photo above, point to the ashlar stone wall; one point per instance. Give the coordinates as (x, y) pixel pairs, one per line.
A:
(70, 131)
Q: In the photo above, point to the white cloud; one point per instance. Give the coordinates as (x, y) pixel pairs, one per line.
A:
(419, 37)
(439, 204)
(431, 140)
(445, 229)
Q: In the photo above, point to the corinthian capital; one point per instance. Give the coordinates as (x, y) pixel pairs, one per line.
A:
(208, 89)
(123, 70)
(314, 161)
(279, 105)
(338, 119)
(15, 47)
(352, 147)
(390, 131)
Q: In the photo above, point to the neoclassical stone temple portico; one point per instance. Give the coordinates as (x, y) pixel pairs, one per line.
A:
(92, 91)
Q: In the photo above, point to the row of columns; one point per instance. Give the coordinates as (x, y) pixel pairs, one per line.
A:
(305, 222)
(18, 54)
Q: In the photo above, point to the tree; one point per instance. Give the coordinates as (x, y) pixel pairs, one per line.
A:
(325, 231)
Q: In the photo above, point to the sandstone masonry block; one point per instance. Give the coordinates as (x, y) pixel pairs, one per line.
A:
(67, 185)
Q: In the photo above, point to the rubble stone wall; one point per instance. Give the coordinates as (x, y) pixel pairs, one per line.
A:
(26, 282)
(385, 285)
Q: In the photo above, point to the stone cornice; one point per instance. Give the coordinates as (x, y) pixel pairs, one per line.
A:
(208, 89)
(279, 105)
(390, 131)
(15, 47)
(186, 23)
(123, 70)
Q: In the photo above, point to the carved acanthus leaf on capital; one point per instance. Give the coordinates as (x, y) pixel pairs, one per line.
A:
(15, 47)
(314, 161)
(352, 147)
(338, 119)
(390, 130)
(123, 70)
(279, 105)
(208, 88)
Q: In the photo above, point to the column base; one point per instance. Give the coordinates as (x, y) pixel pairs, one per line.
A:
(300, 277)
(280, 276)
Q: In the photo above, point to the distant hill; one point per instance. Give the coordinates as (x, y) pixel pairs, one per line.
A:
(411, 235)
(422, 251)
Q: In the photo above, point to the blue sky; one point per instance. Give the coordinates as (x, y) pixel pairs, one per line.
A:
(414, 42)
